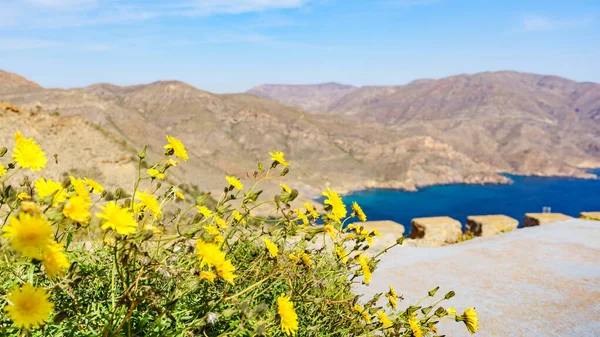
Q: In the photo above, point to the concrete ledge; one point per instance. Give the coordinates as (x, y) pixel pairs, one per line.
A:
(486, 225)
(538, 219)
(390, 231)
(437, 230)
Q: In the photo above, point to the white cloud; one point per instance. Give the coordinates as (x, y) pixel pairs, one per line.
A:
(62, 3)
(8, 44)
(540, 23)
(209, 7)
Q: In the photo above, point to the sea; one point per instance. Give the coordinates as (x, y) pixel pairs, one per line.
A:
(525, 195)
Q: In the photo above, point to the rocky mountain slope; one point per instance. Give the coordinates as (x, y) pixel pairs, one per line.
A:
(228, 134)
(518, 123)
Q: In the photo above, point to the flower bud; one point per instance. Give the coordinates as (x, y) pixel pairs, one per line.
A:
(285, 171)
(400, 240)
(426, 310)
(3, 151)
(440, 312)
(158, 185)
(450, 295)
(11, 165)
(119, 193)
(433, 291)
(142, 154)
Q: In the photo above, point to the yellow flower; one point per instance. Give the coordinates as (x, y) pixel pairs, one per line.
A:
(2, 170)
(207, 275)
(471, 320)
(23, 196)
(287, 314)
(294, 257)
(302, 216)
(384, 319)
(235, 182)
(311, 210)
(92, 184)
(179, 195)
(392, 298)
(77, 209)
(46, 188)
(359, 308)
(29, 307)
(28, 154)
(29, 234)
(451, 311)
(338, 209)
(329, 229)
(150, 202)
(205, 211)
(219, 239)
(212, 230)
(341, 253)
(271, 247)
(178, 148)
(55, 260)
(154, 173)
(220, 222)
(278, 157)
(286, 188)
(80, 187)
(237, 216)
(359, 212)
(225, 271)
(117, 218)
(306, 260)
(153, 229)
(414, 325)
(209, 254)
(172, 162)
(363, 260)
(30, 207)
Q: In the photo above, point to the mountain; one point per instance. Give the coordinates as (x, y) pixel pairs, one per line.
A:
(13, 82)
(313, 98)
(518, 123)
(228, 134)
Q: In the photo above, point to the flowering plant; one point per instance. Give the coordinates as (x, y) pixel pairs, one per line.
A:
(170, 263)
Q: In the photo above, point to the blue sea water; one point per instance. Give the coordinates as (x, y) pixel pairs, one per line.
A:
(526, 195)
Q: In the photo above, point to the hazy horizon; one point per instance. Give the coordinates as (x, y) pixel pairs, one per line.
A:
(232, 46)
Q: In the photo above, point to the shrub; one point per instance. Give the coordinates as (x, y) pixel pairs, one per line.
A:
(212, 268)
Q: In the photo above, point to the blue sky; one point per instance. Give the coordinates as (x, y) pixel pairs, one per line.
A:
(230, 46)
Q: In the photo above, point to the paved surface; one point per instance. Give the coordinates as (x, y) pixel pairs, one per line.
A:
(536, 281)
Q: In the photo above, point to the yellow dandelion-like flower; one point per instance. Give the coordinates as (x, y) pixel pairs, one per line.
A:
(212, 230)
(278, 157)
(172, 162)
(329, 229)
(55, 260)
(30, 207)
(451, 311)
(150, 202)
(392, 298)
(341, 254)
(414, 325)
(207, 275)
(94, 185)
(218, 239)
(2, 170)
(359, 308)
(23, 196)
(235, 182)
(179, 195)
(154, 173)
(384, 319)
(285, 188)
(225, 271)
(311, 210)
(153, 229)
(178, 148)
(471, 320)
(80, 187)
(271, 247)
(220, 222)
(359, 212)
(47, 187)
(117, 218)
(287, 314)
(237, 216)
(338, 208)
(306, 260)
(28, 154)
(205, 211)
(294, 257)
(77, 209)
(29, 234)
(302, 216)
(363, 260)
(29, 306)
(209, 254)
